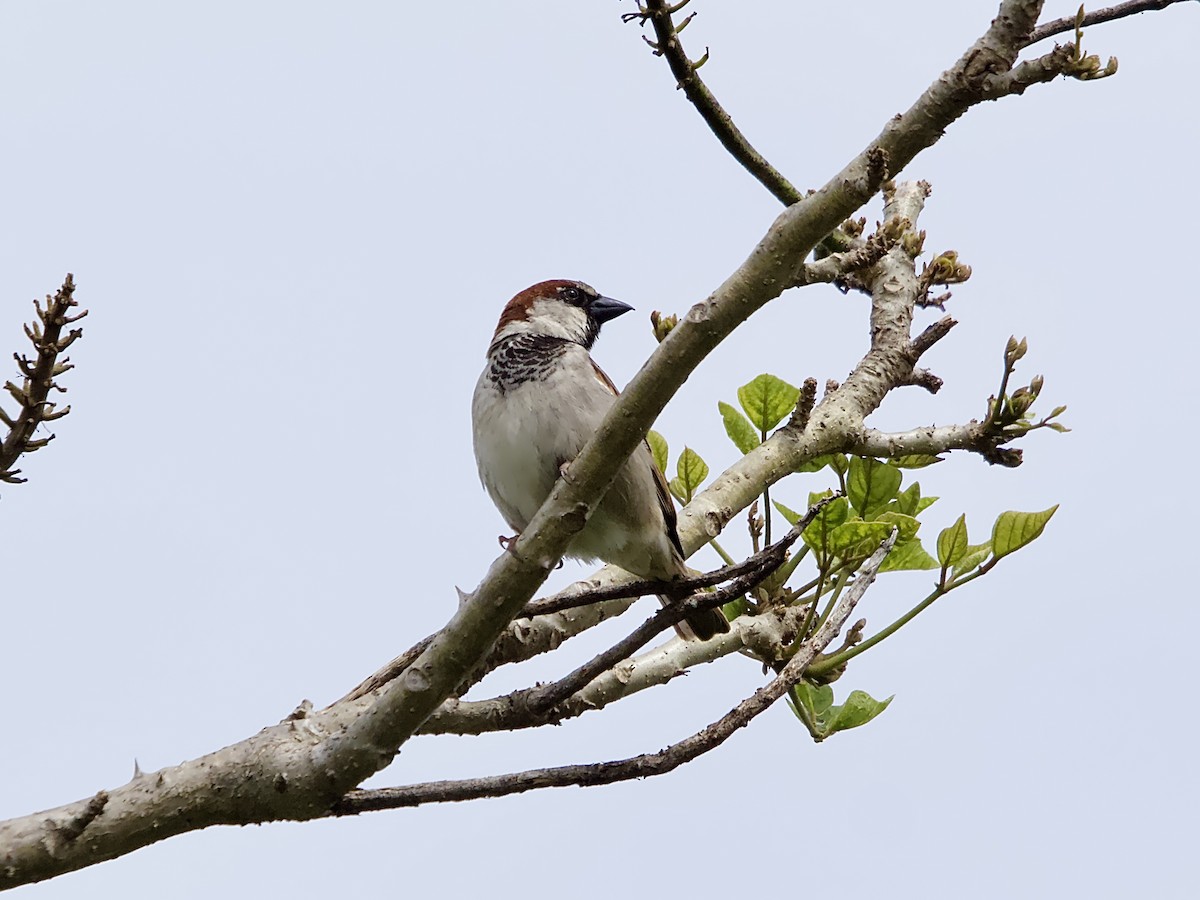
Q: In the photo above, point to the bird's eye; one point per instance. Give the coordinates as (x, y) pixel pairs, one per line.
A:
(572, 295)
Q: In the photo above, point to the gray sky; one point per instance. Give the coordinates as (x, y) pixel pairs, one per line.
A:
(295, 225)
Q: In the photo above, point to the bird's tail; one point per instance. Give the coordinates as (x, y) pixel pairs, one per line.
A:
(699, 626)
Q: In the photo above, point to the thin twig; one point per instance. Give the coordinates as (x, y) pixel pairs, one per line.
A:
(543, 699)
(714, 115)
(644, 587)
(1120, 11)
(642, 766)
(39, 375)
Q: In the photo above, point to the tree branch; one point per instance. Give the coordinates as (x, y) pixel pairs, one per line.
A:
(540, 705)
(39, 375)
(543, 699)
(1030, 72)
(836, 266)
(765, 636)
(932, 441)
(659, 13)
(587, 593)
(647, 764)
(1119, 11)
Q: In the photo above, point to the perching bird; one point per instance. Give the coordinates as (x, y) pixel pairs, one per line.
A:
(539, 399)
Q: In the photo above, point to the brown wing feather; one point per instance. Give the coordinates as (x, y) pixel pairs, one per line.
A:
(701, 625)
(604, 379)
(666, 504)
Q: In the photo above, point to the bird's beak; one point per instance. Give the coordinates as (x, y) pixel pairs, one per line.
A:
(605, 308)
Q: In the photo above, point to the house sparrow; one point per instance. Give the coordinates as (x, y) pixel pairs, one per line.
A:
(539, 399)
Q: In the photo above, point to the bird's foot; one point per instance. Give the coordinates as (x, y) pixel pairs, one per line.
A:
(509, 543)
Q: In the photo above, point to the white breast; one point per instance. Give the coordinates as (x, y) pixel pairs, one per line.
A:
(522, 435)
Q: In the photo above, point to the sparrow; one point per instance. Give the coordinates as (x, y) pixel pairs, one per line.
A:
(540, 398)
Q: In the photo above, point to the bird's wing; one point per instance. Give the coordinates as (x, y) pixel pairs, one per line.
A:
(665, 503)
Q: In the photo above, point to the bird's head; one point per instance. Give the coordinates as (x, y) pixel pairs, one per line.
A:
(559, 308)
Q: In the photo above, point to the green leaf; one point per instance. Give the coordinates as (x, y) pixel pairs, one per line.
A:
(859, 709)
(871, 485)
(830, 517)
(915, 461)
(1013, 530)
(910, 557)
(658, 449)
(952, 542)
(817, 699)
(972, 559)
(910, 502)
(906, 525)
(739, 429)
(840, 463)
(790, 514)
(857, 538)
(767, 400)
(691, 468)
(691, 471)
(907, 499)
(826, 718)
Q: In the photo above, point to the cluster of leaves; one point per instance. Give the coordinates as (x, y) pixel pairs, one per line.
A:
(765, 400)
(1086, 66)
(1012, 411)
(869, 501)
(851, 526)
(1009, 414)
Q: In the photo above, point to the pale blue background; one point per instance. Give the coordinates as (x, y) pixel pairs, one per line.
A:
(295, 224)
